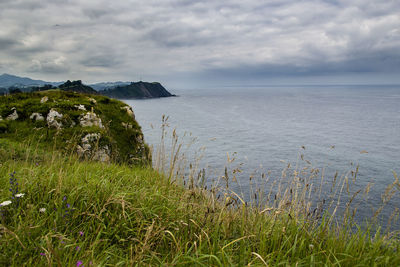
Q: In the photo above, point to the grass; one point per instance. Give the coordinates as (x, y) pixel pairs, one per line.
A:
(84, 213)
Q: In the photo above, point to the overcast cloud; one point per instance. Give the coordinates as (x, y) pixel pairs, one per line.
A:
(183, 41)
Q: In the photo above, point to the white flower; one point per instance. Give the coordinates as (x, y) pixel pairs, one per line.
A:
(20, 195)
(5, 203)
(311, 246)
(42, 210)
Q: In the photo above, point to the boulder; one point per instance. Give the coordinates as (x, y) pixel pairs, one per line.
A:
(52, 119)
(36, 116)
(92, 100)
(127, 125)
(102, 154)
(13, 116)
(44, 99)
(80, 107)
(90, 119)
(88, 145)
(129, 110)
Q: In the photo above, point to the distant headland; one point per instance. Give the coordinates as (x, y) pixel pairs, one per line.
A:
(10, 84)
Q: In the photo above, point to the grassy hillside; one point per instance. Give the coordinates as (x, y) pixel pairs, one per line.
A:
(59, 210)
(63, 119)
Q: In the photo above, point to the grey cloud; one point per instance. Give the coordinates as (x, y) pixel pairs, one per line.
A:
(237, 38)
(6, 43)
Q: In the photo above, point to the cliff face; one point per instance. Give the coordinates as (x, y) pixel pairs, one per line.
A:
(137, 90)
(92, 126)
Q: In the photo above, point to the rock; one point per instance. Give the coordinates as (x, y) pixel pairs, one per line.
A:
(36, 116)
(87, 141)
(92, 100)
(126, 125)
(90, 119)
(13, 116)
(85, 149)
(102, 155)
(93, 137)
(129, 110)
(52, 119)
(80, 107)
(44, 99)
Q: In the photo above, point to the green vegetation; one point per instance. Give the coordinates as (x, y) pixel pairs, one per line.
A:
(76, 212)
(119, 132)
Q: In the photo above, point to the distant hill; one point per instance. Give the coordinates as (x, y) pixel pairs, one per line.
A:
(137, 90)
(122, 90)
(107, 85)
(77, 86)
(7, 80)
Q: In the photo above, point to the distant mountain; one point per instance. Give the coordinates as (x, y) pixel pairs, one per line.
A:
(137, 90)
(122, 90)
(77, 86)
(7, 80)
(107, 85)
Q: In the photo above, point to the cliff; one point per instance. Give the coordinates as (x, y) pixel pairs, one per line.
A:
(92, 126)
(137, 90)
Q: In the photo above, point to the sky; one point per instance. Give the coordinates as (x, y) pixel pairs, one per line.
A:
(186, 43)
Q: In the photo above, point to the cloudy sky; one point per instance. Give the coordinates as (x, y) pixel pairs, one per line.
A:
(191, 43)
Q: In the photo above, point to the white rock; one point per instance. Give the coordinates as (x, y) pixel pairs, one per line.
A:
(52, 119)
(90, 119)
(126, 125)
(37, 117)
(93, 137)
(102, 155)
(13, 116)
(92, 100)
(44, 99)
(80, 107)
(129, 110)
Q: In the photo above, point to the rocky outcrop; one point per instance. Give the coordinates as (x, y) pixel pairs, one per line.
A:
(53, 119)
(90, 119)
(89, 148)
(129, 111)
(36, 116)
(93, 126)
(44, 99)
(137, 90)
(80, 107)
(13, 116)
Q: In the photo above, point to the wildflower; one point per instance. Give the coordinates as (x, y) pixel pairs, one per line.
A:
(20, 195)
(5, 203)
(311, 246)
(13, 185)
(42, 210)
(79, 263)
(80, 233)
(78, 248)
(42, 254)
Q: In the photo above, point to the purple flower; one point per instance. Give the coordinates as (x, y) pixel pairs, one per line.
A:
(79, 263)
(78, 248)
(68, 205)
(80, 233)
(42, 254)
(64, 198)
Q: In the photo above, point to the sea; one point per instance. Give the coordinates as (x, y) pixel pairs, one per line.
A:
(351, 132)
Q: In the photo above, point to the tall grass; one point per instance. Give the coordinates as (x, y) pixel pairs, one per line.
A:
(77, 213)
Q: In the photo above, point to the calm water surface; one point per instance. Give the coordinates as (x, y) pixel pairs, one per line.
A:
(269, 125)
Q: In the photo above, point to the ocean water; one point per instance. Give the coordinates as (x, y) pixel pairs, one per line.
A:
(340, 127)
